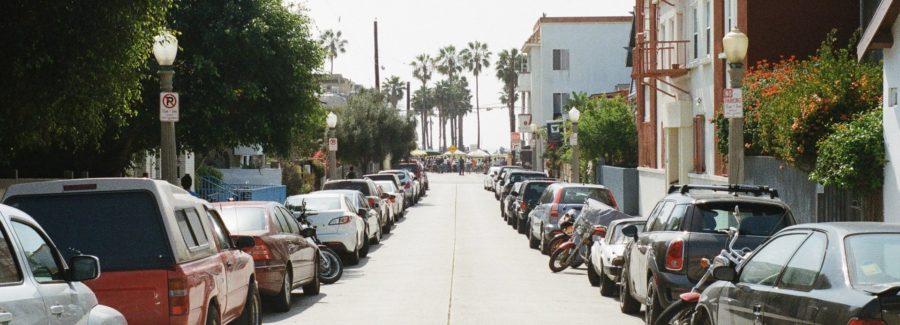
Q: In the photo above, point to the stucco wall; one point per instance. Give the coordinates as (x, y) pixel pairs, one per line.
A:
(653, 188)
(623, 182)
(891, 120)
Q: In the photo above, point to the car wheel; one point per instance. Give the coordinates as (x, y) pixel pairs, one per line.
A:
(375, 239)
(313, 287)
(212, 315)
(523, 226)
(514, 222)
(387, 228)
(282, 301)
(653, 305)
(607, 286)
(252, 307)
(545, 248)
(593, 277)
(627, 303)
(533, 243)
(364, 250)
(353, 257)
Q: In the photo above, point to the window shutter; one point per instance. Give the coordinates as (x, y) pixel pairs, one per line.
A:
(556, 59)
(564, 64)
(699, 144)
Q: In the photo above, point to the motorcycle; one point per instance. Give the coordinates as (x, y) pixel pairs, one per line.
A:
(578, 249)
(681, 312)
(566, 226)
(331, 268)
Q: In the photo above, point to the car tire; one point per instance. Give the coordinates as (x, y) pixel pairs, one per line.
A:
(212, 315)
(353, 257)
(375, 239)
(607, 286)
(627, 303)
(654, 308)
(387, 228)
(364, 250)
(252, 313)
(545, 246)
(532, 242)
(282, 301)
(523, 226)
(315, 286)
(593, 277)
(514, 222)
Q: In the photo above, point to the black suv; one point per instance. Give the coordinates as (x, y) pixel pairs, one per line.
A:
(687, 225)
(511, 178)
(526, 197)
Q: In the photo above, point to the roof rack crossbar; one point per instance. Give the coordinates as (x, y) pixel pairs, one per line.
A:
(757, 190)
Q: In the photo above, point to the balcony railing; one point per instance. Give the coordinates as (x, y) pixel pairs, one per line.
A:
(662, 58)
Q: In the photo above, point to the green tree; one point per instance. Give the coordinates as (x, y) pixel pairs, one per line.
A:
(450, 64)
(422, 103)
(507, 68)
(334, 45)
(475, 58)
(393, 89)
(423, 68)
(71, 73)
(607, 131)
(370, 130)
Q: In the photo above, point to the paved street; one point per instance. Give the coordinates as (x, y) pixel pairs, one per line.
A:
(454, 261)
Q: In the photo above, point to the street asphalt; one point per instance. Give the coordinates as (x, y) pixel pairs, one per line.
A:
(453, 260)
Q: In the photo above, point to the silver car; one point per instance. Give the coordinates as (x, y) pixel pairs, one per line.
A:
(395, 200)
(338, 225)
(37, 286)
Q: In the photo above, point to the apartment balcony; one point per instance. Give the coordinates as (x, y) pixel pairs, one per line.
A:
(661, 59)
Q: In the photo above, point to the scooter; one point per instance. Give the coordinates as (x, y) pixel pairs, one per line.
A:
(566, 226)
(578, 249)
(330, 266)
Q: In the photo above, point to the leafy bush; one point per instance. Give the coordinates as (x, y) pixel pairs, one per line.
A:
(607, 131)
(852, 156)
(209, 171)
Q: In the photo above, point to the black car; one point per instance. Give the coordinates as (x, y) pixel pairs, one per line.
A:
(525, 200)
(510, 178)
(686, 226)
(824, 273)
(498, 179)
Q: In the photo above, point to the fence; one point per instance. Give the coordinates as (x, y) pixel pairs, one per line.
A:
(214, 190)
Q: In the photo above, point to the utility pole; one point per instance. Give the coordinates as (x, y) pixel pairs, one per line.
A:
(407, 99)
(377, 66)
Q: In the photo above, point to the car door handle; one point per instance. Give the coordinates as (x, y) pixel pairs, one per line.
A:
(757, 311)
(56, 309)
(6, 317)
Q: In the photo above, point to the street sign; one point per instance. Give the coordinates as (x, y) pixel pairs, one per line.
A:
(168, 107)
(514, 139)
(332, 144)
(574, 139)
(734, 107)
(524, 123)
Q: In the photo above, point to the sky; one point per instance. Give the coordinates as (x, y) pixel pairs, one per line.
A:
(407, 28)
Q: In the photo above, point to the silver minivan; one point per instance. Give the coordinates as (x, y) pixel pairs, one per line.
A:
(37, 286)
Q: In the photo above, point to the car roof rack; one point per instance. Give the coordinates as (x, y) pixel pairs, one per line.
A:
(757, 190)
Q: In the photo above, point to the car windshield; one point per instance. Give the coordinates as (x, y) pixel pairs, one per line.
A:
(518, 177)
(317, 203)
(577, 195)
(755, 219)
(534, 191)
(872, 259)
(408, 167)
(355, 186)
(123, 229)
(240, 219)
(387, 186)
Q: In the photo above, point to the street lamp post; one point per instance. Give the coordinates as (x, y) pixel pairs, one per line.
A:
(735, 44)
(331, 121)
(574, 115)
(165, 48)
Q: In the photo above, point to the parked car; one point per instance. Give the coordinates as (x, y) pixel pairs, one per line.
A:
(284, 259)
(602, 271)
(490, 177)
(394, 200)
(526, 199)
(38, 286)
(374, 228)
(339, 224)
(419, 173)
(407, 184)
(498, 181)
(556, 200)
(686, 226)
(166, 256)
(506, 204)
(512, 177)
(817, 273)
(394, 178)
(375, 198)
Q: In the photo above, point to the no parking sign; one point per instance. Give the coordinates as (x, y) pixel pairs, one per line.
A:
(168, 107)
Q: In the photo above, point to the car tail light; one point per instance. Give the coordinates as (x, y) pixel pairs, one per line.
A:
(178, 297)
(371, 201)
(339, 220)
(857, 321)
(407, 185)
(554, 212)
(260, 251)
(675, 255)
(524, 206)
(392, 199)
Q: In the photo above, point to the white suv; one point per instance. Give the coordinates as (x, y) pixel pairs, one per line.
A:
(37, 286)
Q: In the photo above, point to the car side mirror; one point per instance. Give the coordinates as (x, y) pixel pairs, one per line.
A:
(724, 273)
(630, 231)
(362, 212)
(243, 242)
(84, 268)
(514, 193)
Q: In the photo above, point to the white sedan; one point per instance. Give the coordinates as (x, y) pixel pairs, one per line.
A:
(601, 271)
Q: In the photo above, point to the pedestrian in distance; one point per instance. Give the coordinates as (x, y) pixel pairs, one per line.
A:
(351, 174)
(186, 182)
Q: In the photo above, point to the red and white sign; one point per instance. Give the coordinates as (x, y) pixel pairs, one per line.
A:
(168, 107)
(332, 144)
(734, 106)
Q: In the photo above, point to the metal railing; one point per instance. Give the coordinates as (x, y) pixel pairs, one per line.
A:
(663, 57)
(214, 190)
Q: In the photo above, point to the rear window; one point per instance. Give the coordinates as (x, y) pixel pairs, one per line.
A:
(514, 178)
(872, 259)
(755, 219)
(123, 229)
(401, 176)
(577, 195)
(325, 203)
(244, 218)
(355, 186)
(387, 186)
(410, 167)
(534, 191)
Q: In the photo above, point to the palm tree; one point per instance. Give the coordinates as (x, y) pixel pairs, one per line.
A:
(394, 89)
(334, 44)
(423, 102)
(507, 68)
(448, 63)
(475, 58)
(423, 67)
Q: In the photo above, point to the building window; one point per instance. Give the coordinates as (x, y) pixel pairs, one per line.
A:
(560, 59)
(892, 97)
(525, 64)
(708, 7)
(559, 103)
(699, 144)
(695, 30)
(729, 19)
